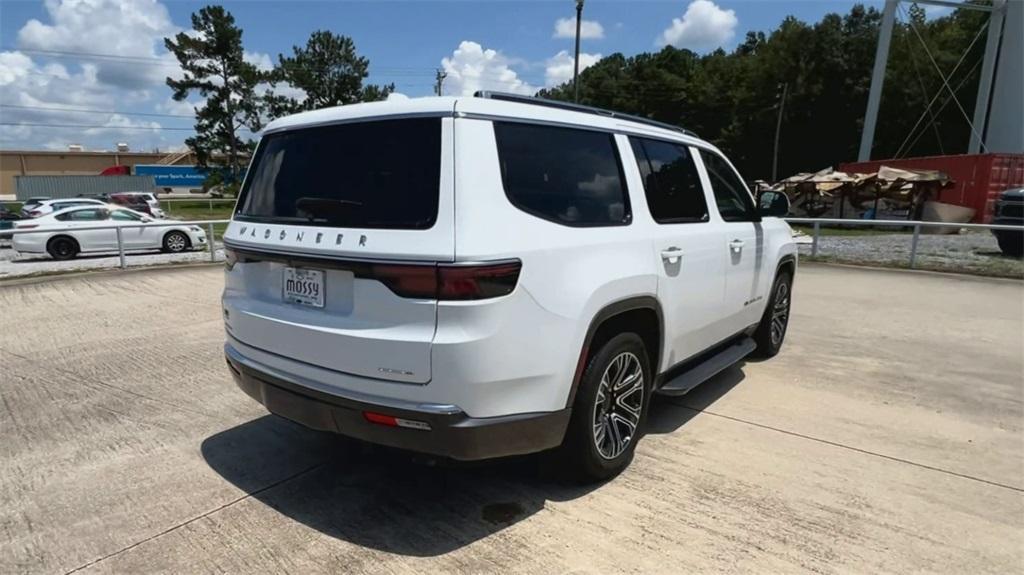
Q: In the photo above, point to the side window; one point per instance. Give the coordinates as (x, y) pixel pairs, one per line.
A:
(671, 183)
(565, 175)
(93, 215)
(732, 197)
(124, 216)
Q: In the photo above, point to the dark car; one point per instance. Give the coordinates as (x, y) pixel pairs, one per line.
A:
(132, 201)
(1009, 211)
(7, 219)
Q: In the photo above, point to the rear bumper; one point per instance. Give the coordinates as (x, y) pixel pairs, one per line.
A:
(451, 432)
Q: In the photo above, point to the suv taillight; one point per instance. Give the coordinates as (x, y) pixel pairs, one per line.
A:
(448, 281)
(477, 281)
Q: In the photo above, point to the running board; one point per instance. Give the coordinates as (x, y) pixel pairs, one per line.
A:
(708, 368)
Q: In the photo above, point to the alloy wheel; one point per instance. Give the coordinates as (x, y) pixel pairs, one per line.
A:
(780, 313)
(175, 242)
(619, 403)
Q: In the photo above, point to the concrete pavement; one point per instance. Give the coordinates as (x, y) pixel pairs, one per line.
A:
(887, 437)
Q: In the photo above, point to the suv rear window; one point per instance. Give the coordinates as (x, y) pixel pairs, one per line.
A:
(565, 175)
(379, 174)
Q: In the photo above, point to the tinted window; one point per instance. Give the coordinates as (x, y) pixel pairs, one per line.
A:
(565, 175)
(368, 175)
(671, 182)
(92, 215)
(732, 197)
(124, 215)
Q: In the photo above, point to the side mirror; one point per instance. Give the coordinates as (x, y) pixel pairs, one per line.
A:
(773, 204)
(146, 219)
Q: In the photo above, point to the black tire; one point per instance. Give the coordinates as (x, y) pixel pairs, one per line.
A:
(176, 242)
(769, 337)
(62, 248)
(1011, 243)
(588, 454)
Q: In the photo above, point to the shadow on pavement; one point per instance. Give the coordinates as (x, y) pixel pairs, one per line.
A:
(393, 501)
(668, 414)
(378, 498)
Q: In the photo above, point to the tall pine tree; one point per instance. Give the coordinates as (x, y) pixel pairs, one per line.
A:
(211, 57)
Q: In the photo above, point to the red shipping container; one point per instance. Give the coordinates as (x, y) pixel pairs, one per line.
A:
(977, 179)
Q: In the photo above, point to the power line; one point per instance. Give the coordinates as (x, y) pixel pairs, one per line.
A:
(103, 127)
(89, 111)
(396, 71)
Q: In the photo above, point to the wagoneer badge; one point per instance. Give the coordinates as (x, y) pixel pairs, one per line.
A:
(299, 238)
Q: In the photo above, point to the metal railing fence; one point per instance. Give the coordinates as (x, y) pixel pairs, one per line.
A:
(915, 224)
(815, 222)
(119, 228)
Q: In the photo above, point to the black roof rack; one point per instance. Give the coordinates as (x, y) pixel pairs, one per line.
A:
(509, 97)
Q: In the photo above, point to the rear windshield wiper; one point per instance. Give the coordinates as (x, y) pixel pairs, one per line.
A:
(327, 208)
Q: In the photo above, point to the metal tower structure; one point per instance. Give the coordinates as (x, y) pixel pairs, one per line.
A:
(998, 122)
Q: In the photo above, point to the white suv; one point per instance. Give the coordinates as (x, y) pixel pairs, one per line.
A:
(495, 275)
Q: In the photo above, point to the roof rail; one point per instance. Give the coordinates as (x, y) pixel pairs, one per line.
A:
(510, 97)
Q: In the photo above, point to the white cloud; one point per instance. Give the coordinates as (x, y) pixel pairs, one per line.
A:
(559, 68)
(132, 29)
(59, 65)
(589, 29)
(14, 66)
(262, 61)
(397, 96)
(704, 26)
(183, 108)
(471, 68)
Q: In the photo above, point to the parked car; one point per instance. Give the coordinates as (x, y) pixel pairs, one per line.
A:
(513, 275)
(1009, 211)
(144, 202)
(61, 234)
(30, 203)
(7, 219)
(48, 206)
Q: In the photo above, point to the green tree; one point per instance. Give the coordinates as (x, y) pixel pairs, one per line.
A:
(211, 57)
(732, 98)
(329, 71)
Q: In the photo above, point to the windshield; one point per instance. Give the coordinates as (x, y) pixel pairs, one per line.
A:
(380, 174)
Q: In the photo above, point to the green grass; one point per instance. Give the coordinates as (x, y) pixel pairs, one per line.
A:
(851, 231)
(198, 210)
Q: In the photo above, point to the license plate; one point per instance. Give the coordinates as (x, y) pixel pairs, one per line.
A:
(303, 286)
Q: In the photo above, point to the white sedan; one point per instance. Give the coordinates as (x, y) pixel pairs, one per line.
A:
(65, 234)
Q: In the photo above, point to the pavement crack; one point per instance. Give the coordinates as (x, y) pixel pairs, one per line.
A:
(203, 515)
(852, 448)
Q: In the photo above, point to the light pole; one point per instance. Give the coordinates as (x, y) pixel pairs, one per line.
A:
(576, 66)
(778, 130)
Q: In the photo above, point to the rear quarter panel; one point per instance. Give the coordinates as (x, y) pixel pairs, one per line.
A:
(568, 275)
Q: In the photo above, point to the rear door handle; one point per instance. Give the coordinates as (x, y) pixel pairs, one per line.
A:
(737, 245)
(672, 254)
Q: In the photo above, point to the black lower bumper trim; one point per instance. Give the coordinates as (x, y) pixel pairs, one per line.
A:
(454, 435)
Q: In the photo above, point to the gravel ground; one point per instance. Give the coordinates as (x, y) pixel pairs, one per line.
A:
(975, 252)
(14, 265)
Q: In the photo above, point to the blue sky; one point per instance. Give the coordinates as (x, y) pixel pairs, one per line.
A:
(49, 69)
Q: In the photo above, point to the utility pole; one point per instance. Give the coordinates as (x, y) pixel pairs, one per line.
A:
(778, 131)
(441, 75)
(576, 68)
